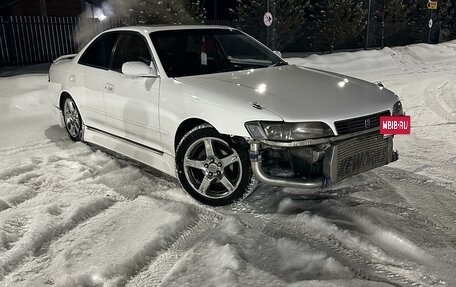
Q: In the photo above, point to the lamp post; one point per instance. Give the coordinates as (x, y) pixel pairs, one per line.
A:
(383, 23)
(431, 22)
(43, 7)
(267, 27)
(368, 24)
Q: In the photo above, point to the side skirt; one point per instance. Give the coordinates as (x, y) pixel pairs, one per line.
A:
(149, 156)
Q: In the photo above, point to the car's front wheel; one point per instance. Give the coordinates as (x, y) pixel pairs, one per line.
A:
(212, 168)
(72, 118)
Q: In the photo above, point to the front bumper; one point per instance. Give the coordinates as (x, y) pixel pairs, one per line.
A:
(339, 158)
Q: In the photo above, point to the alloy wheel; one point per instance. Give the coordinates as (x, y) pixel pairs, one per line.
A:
(212, 167)
(72, 118)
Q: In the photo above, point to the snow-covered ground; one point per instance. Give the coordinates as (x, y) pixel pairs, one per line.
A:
(72, 215)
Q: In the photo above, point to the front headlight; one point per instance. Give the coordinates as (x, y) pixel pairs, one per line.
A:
(280, 131)
(398, 110)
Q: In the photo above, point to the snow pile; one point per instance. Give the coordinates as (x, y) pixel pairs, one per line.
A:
(385, 61)
(435, 54)
(373, 60)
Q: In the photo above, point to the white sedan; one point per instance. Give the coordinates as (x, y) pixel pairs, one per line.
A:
(219, 110)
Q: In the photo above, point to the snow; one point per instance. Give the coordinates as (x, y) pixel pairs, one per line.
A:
(75, 215)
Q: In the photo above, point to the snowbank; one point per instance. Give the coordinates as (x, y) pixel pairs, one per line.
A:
(387, 60)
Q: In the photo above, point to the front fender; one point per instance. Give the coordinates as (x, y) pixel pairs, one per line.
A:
(179, 102)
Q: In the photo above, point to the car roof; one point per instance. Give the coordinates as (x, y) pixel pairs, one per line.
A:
(155, 28)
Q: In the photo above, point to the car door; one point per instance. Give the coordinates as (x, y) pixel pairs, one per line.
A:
(87, 79)
(131, 103)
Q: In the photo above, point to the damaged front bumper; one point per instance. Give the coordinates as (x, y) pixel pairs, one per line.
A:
(320, 162)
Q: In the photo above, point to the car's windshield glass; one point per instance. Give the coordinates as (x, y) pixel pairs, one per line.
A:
(206, 51)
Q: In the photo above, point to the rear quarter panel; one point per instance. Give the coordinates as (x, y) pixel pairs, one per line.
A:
(58, 77)
(58, 80)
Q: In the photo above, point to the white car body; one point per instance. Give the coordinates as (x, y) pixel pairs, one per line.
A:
(143, 117)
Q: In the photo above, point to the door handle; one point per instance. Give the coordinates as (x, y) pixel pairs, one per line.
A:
(109, 88)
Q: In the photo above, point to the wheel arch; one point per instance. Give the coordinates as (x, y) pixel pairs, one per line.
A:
(63, 96)
(191, 123)
(186, 126)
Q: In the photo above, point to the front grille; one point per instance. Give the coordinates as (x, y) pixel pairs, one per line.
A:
(361, 154)
(359, 124)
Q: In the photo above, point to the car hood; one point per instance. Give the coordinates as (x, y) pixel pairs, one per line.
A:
(300, 94)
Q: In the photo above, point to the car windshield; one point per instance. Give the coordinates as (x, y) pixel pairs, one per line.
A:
(206, 51)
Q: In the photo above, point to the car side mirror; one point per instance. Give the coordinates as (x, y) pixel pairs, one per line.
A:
(138, 69)
(278, 53)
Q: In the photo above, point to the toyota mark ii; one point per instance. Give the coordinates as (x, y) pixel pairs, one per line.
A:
(220, 111)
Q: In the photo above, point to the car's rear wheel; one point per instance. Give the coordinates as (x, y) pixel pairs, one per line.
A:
(72, 119)
(212, 168)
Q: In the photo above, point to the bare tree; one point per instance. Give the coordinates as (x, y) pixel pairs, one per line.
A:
(418, 20)
(168, 12)
(337, 21)
(395, 19)
(289, 19)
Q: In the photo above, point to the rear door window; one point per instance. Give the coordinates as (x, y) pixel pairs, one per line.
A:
(98, 55)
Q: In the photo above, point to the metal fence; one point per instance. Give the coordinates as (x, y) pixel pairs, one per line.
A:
(28, 40)
(219, 22)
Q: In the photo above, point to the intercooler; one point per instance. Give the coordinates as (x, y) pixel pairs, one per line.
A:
(357, 155)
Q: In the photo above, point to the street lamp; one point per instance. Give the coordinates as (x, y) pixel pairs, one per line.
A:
(368, 24)
(267, 27)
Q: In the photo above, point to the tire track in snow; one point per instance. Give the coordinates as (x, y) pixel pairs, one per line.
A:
(419, 191)
(437, 98)
(19, 195)
(62, 163)
(37, 241)
(21, 184)
(16, 171)
(12, 230)
(435, 203)
(33, 146)
(163, 263)
(167, 237)
(4, 205)
(347, 251)
(41, 173)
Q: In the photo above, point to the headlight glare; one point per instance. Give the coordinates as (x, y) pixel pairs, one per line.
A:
(398, 110)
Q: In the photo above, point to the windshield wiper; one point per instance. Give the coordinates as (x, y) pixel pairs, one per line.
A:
(280, 63)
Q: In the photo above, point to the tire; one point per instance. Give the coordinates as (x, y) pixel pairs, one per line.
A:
(72, 119)
(213, 169)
